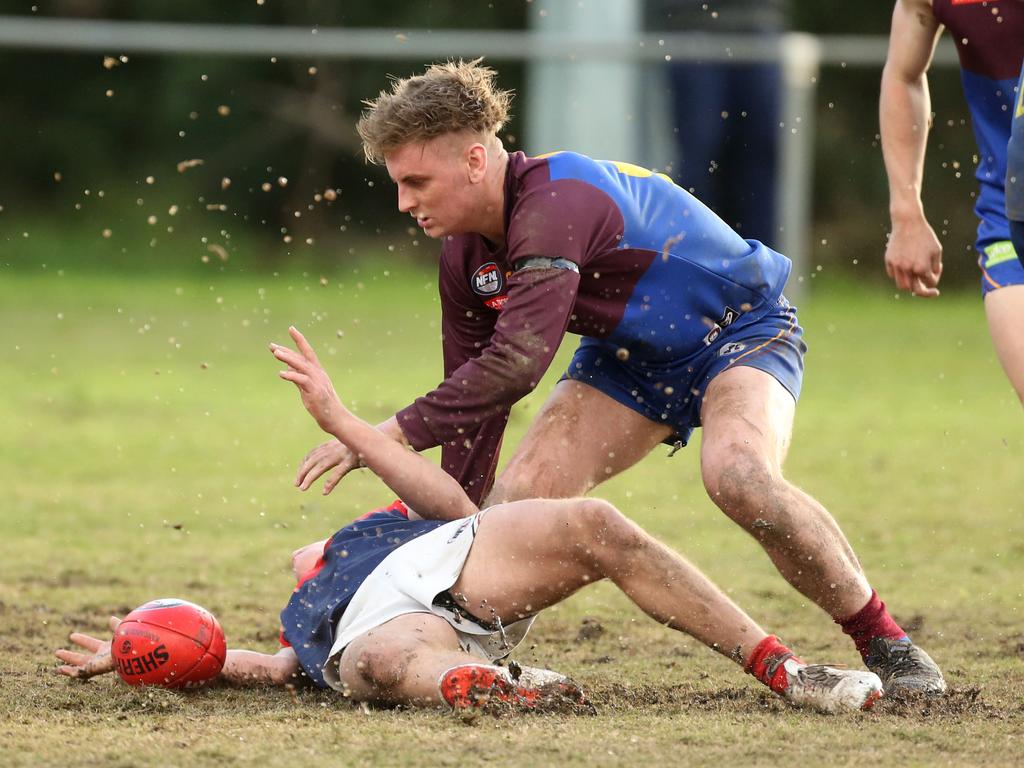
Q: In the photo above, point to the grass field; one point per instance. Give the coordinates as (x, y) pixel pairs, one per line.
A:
(148, 449)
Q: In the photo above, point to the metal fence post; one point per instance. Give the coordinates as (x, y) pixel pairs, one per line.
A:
(801, 60)
(586, 103)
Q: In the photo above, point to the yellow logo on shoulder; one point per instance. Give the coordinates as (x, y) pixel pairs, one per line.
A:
(628, 169)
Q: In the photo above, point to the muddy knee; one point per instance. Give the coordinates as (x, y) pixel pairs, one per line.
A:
(747, 489)
(381, 667)
(604, 538)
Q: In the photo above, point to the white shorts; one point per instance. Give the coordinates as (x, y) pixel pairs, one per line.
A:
(407, 581)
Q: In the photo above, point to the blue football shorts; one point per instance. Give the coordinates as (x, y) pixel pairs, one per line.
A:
(1000, 266)
(672, 392)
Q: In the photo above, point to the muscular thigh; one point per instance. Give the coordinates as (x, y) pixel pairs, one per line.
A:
(579, 438)
(746, 412)
(1004, 309)
(525, 557)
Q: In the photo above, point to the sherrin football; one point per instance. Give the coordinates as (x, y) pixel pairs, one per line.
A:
(169, 643)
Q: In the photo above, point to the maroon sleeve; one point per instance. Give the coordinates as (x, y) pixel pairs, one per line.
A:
(525, 338)
(466, 329)
(567, 219)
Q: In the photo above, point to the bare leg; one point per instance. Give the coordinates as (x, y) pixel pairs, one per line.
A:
(1005, 311)
(401, 662)
(572, 543)
(576, 542)
(576, 450)
(747, 419)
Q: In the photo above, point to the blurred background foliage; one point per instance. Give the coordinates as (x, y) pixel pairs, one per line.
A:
(91, 146)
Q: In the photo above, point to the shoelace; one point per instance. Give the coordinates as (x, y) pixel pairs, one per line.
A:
(901, 660)
(819, 675)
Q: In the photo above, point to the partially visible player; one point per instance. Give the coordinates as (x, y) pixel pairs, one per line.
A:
(989, 37)
(399, 608)
(1015, 172)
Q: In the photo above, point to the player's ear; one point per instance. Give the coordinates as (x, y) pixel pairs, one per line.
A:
(476, 162)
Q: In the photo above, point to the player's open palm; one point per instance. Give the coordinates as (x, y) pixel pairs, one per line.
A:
(333, 454)
(314, 385)
(97, 659)
(913, 258)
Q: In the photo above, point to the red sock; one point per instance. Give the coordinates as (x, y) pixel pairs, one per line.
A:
(765, 663)
(871, 621)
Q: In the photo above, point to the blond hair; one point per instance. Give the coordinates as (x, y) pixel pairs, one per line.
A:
(447, 98)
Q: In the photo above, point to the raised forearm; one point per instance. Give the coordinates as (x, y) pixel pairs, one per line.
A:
(429, 490)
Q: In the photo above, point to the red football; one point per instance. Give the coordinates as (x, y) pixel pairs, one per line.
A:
(170, 643)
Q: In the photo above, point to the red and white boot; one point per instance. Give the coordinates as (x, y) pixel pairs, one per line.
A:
(816, 686)
(475, 685)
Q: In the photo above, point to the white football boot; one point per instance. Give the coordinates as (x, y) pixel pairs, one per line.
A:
(828, 689)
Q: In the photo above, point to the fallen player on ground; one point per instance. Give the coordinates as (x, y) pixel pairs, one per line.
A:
(415, 607)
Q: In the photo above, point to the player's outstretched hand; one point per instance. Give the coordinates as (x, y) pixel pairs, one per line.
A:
(913, 258)
(97, 661)
(314, 385)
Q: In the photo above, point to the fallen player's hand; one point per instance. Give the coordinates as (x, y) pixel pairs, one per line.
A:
(913, 258)
(333, 454)
(314, 385)
(97, 661)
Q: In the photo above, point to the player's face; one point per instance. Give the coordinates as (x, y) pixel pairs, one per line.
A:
(434, 186)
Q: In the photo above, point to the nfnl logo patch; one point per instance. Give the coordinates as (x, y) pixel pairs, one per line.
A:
(487, 280)
(731, 348)
(729, 316)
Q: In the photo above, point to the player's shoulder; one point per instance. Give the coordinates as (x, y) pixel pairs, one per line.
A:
(557, 188)
(552, 167)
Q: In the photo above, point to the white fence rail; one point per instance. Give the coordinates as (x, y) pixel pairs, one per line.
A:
(554, 47)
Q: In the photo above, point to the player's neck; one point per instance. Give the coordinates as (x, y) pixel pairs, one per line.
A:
(491, 216)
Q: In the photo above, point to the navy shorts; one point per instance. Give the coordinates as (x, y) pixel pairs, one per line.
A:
(671, 392)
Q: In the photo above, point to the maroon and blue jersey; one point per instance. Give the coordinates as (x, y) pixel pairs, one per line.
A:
(323, 594)
(989, 37)
(1015, 161)
(607, 250)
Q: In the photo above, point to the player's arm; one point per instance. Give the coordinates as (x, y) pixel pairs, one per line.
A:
(465, 330)
(420, 484)
(525, 339)
(253, 668)
(335, 455)
(913, 257)
(240, 667)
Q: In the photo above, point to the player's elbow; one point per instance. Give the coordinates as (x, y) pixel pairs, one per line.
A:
(519, 372)
(285, 667)
(304, 558)
(898, 76)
